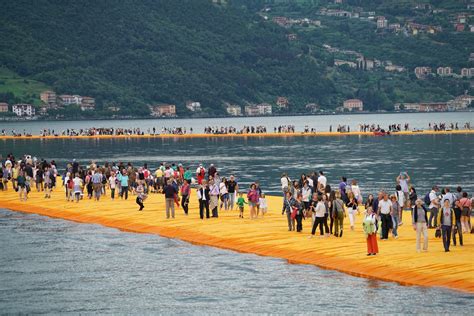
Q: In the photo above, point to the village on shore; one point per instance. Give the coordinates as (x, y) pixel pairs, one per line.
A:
(51, 101)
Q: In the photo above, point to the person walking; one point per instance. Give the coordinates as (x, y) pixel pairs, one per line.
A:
(434, 207)
(123, 179)
(233, 190)
(203, 196)
(299, 205)
(352, 208)
(338, 214)
(319, 217)
(466, 207)
(170, 191)
(288, 204)
(446, 223)
(185, 194)
(420, 222)
(214, 195)
(252, 197)
(370, 231)
(384, 211)
(396, 210)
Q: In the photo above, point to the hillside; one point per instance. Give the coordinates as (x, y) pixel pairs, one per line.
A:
(134, 53)
(129, 54)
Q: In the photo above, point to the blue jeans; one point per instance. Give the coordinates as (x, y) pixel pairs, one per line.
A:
(446, 233)
(395, 222)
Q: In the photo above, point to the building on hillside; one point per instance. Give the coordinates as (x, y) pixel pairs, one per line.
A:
(338, 1)
(394, 27)
(67, 99)
(160, 110)
(282, 103)
(461, 18)
(114, 109)
(193, 106)
(23, 110)
(233, 109)
(422, 107)
(460, 27)
(340, 62)
(49, 98)
(258, 109)
(353, 105)
(422, 72)
(382, 22)
(312, 107)
(365, 64)
(394, 68)
(467, 72)
(87, 104)
(3, 107)
(281, 20)
(461, 102)
(444, 71)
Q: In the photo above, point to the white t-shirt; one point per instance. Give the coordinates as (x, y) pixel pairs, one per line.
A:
(433, 197)
(284, 182)
(320, 209)
(262, 202)
(322, 181)
(306, 192)
(222, 188)
(310, 182)
(356, 190)
(112, 182)
(400, 198)
(384, 206)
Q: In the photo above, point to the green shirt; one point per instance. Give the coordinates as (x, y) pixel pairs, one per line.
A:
(241, 201)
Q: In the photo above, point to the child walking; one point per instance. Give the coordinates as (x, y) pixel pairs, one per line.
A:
(240, 204)
(262, 201)
(141, 196)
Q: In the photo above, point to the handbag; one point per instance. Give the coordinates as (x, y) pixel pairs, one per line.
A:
(438, 233)
(294, 211)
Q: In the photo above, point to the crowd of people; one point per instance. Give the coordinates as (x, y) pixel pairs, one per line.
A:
(309, 197)
(312, 197)
(97, 131)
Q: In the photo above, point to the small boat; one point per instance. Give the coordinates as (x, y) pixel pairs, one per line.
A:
(381, 133)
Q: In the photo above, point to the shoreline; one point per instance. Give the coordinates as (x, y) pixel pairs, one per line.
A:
(396, 262)
(202, 135)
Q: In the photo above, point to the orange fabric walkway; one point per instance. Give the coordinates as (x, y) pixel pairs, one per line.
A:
(316, 134)
(397, 261)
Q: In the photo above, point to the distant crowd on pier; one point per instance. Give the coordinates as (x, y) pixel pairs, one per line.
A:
(309, 197)
(224, 130)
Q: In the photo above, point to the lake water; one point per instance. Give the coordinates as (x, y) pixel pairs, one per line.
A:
(52, 266)
(55, 266)
(320, 122)
(375, 162)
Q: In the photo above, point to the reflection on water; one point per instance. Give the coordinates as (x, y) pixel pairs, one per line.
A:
(54, 266)
(374, 161)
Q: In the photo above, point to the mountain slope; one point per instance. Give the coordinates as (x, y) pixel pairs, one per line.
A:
(132, 53)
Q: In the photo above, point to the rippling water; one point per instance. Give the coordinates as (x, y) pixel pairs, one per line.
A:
(55, 266)
(374, 161)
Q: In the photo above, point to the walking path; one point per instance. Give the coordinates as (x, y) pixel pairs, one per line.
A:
(397, 261)
(308, 134)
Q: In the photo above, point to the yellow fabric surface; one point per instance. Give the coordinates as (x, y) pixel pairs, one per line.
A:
(316, 134)
(397, 260)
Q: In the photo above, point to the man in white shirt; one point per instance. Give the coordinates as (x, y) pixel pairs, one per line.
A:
(434, 207)
(385, 210)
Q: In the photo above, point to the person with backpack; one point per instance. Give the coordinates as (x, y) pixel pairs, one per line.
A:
(338, 214)
(432, 200)
(446, 223)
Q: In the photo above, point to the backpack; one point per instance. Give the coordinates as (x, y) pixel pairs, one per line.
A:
(427, 198)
